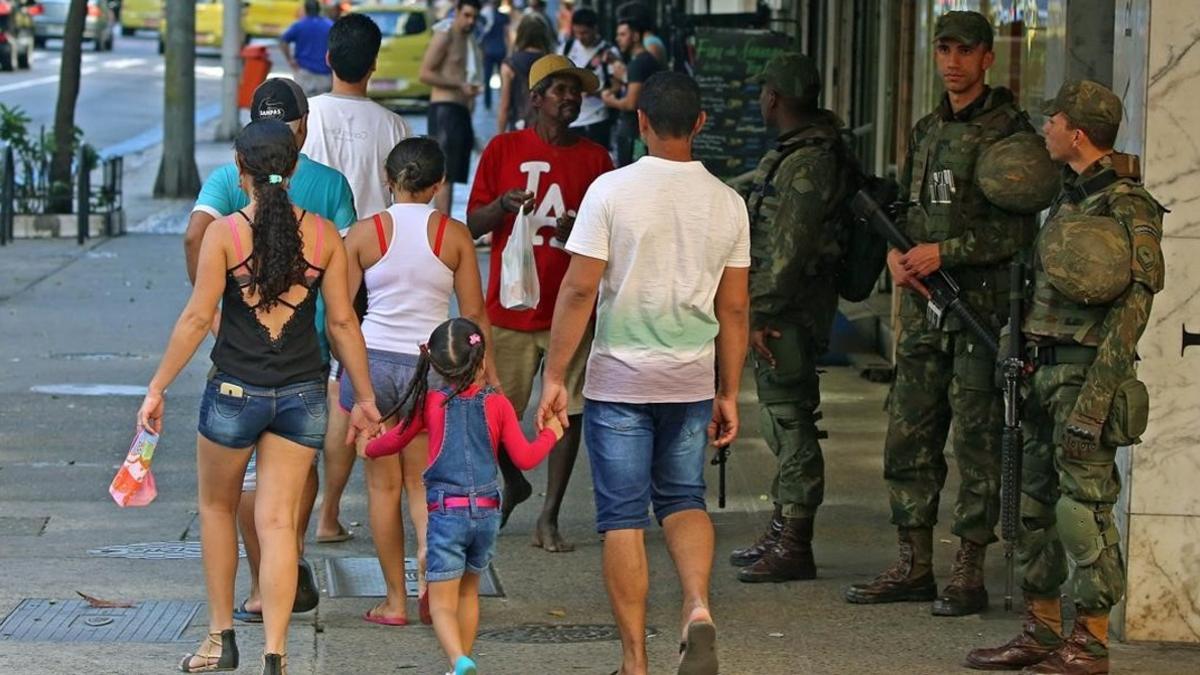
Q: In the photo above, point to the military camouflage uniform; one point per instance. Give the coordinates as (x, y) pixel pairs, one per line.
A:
(942, 373)
(794, 253)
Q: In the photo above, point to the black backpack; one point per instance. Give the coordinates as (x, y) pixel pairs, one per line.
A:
(864, 251)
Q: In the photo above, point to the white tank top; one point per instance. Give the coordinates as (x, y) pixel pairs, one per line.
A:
(408, 290)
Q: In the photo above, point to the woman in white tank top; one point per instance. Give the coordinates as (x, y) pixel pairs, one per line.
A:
(411, 258)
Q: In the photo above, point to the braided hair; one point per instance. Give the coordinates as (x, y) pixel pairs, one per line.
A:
(455, 351)
(266, 151)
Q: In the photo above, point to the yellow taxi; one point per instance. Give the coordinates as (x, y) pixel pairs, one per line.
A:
(407, 29)
(270, 18)
(209, 28)
(140, 15)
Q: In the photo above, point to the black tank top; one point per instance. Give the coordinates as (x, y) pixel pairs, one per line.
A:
(518, 101)
(245, 347)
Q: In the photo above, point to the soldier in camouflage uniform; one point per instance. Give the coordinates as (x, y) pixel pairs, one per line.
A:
(942, 373)
(794, 206)
(1083, 398)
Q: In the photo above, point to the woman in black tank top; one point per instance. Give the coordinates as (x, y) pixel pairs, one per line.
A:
(265, 264)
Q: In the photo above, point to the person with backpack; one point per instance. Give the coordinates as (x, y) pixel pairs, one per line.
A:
(795, 225)
(587, 49)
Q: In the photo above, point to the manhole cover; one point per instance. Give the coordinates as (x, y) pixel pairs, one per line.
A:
(22, 527)
(155, 550)
(361, 578)
(547, 634)
(39, 620)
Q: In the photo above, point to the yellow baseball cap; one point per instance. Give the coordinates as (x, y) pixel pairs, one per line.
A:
(554, 64)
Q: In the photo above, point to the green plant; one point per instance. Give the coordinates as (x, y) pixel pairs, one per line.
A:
(32, 157)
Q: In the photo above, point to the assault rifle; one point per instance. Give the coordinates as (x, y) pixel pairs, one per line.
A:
(1012, 365)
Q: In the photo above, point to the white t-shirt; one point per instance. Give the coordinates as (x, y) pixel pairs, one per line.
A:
(668, 230)
(592, 109)
(354, 135)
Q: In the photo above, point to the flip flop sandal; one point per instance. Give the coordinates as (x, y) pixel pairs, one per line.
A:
(384, 620)
(226, 659)
(423, 609)
(274, 664)
(698, 653)
(246, 616)
(343, 534)
(307, 595)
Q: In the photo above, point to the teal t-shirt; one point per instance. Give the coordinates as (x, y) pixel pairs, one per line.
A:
(314, 187)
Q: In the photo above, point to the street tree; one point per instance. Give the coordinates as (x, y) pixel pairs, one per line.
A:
(178, 176)
(231, 66)
(64, 112)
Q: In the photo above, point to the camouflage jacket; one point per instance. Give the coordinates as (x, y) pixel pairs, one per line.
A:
(1130, 204)
(793, 229)
(976, 238)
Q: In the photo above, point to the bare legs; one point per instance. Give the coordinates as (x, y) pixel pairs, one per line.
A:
(339, 462)
(219, 473)
(558, 476)
(245, 520)
(455, 607)
(387, 478)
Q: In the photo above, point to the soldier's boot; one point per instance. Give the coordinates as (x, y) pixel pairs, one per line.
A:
(908, 579)
(965, 593)
(1084, 653)
(790, 558)
(1040, 636)
(741, 557)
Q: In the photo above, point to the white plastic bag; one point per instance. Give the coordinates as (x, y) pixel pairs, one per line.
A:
(519, 287)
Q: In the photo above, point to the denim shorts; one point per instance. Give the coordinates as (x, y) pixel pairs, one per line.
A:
(645, 454)
(460, 539)
(296, 412)
(391, 372)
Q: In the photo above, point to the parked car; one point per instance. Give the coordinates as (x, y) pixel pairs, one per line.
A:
(50, 19)
(270, 18)
(141, 15)
(209, 25)
(407, 29)
(16, 34)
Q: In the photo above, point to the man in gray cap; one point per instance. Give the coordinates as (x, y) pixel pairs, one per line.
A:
(943, 374)
(794, 207)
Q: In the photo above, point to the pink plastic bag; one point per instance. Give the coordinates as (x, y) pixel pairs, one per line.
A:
(134, 484)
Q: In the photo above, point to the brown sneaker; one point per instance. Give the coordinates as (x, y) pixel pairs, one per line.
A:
(741, 557)
(1084, 653)
(790, 558)
(965, 593)
(1036, 641)
(910, 578)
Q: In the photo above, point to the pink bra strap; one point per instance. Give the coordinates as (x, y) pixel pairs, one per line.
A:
(237, 240)
(320, 240)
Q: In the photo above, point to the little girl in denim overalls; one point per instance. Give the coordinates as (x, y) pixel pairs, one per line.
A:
(467, 423)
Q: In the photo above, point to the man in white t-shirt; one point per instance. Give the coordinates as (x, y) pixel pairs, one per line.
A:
(353, 134)
(587, 49)
(667, 247)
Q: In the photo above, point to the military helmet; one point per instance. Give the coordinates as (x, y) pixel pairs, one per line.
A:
(1087, 258)
(1017, 174)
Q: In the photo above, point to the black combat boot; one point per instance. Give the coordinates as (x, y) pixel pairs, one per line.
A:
(742, 557)
(965, 593)
(910, 578)
(790, 558)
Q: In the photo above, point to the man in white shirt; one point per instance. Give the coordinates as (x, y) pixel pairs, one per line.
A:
(353, 134)
(587, 49)
(666, 245)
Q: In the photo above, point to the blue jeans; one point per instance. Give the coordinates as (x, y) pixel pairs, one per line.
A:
(645, 454)
(460, 539)
(296, 412)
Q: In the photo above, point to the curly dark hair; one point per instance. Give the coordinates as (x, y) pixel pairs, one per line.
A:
(455, 351)
(267, 148)
(415, 164)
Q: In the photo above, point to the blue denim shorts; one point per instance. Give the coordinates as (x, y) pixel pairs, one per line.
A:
(391, 373)
(296, 412)
(460, 539)
(643, 455)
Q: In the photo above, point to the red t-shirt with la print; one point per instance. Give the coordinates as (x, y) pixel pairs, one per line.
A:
(558, 177)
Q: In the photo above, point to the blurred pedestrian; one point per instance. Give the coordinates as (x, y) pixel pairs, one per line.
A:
(494, 41)
(531, 45)
(626, 86)
(411, 259)
(587, 49)
(267, 393)
(311, 36)
(353, 134)
(664, 335)
(468, 422)
(545, 169)
(453, 67)
(643, 15)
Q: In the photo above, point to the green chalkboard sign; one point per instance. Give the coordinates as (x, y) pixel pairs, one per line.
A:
(726, 58)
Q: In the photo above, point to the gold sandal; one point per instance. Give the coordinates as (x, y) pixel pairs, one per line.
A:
(226, 659)
(274, 664)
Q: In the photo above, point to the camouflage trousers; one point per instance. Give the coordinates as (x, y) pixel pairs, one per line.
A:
(942, 377)
(788, 397)
(1048, 476)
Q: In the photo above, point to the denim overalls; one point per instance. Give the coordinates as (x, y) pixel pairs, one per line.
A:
(462, 536)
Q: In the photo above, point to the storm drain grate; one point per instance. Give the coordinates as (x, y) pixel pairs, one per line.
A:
(23, 527)
(361, 578)
(155, 550)
(553, 634)
(39, 620)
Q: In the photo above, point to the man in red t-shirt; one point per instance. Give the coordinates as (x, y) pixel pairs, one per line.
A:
(546, 169)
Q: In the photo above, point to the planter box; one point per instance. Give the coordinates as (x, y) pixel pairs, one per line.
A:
(31, 226)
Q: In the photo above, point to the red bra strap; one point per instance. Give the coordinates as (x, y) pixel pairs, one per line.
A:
(441, 233)
(237, 240)
(379, 233)
(320, 240)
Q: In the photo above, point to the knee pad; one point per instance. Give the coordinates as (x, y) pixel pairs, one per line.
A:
(1085, 529)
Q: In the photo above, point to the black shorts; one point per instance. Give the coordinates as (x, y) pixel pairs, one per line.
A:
(450, 126)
